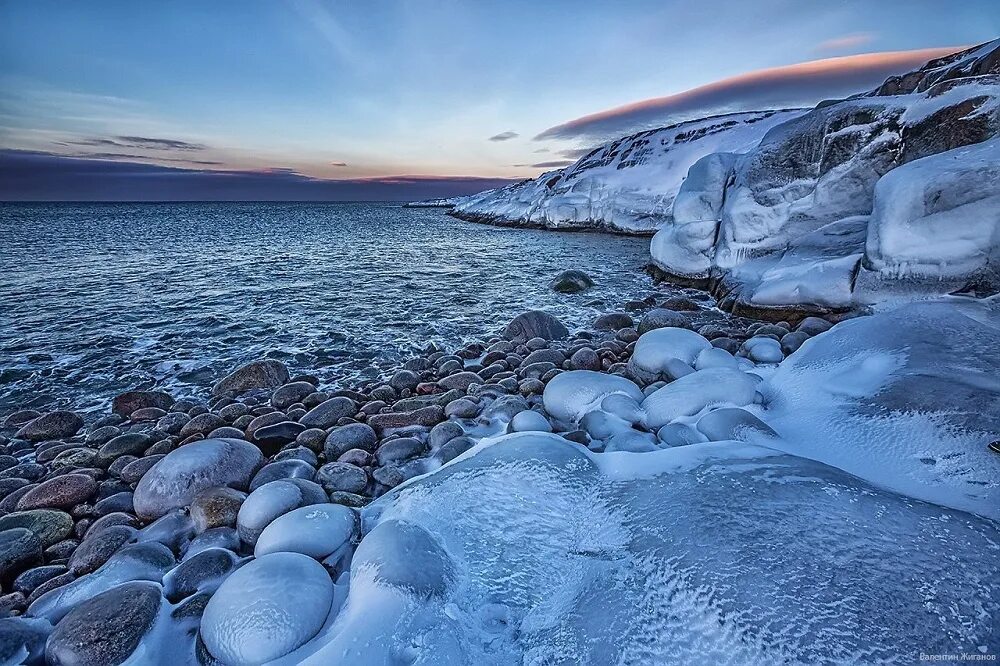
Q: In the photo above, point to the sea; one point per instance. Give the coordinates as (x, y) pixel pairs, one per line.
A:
(96, 299)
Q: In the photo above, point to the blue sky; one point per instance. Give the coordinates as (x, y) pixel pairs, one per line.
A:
(354, 90)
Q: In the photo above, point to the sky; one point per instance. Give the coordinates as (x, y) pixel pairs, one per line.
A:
(379, 99)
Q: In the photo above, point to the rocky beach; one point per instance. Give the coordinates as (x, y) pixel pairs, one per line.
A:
(291, 433)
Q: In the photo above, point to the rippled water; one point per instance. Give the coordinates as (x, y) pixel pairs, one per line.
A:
(99, 298)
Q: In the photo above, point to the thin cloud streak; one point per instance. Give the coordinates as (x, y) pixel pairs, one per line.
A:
(505, 136)
(789, 86)
(44, 176)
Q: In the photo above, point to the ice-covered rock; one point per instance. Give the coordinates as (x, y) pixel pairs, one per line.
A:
(570, 395)
(317, 530)
(272, 500)
(184, 472)
(936, 222)
(528, 420)
(626, 185)
(729, 423)
(405, 556)
(908, 399)
(659, 350)
(135, 562)
(677, 556)
(690, 394)
(855, 200)
(266, 609)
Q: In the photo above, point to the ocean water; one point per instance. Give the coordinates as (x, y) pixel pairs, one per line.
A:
(96, 299)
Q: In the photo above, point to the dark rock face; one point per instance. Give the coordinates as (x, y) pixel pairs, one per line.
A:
(326, 414)
(256, 375)
(661, 318)
(351, 436)
(54, 425)
(58, 493)
(19, 550)
(291, 393)
(132, 401)
(535, 324)
(49, 525)
(571, 282)
(105, 630)
(425, 416)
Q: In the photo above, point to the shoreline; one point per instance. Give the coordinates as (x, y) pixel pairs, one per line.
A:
(222, 489)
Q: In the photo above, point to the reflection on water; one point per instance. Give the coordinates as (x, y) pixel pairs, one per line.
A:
(99, 298)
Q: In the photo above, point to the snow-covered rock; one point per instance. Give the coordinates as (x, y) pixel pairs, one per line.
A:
(266, 609)
(692, 393)
(570, 395)
(908, 399)
(627, 185)
(899, 184)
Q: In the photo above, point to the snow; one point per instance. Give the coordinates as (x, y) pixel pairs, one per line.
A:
(656, 350)
(266, 609)
(627, 185)
(692, 393)
(570, 395)
(318, 530)
(907, 399)
(939, 216)
(533, 551)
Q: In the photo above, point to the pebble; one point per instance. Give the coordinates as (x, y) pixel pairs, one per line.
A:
(202, 572)
(398, 450)
(327, 414)
(183, 473)
(20, 549)
(462, 408)
(125, 404)
(32, 578)
(59, 493)
(216, 507)
(264, 374)
(272, 500)
(613, 321)
(98, 549)
(49, 525)
(425, 416)
(535, 324)
(571, 281)
(342, 476)
(202, 424)
(283, 469)
(352, 436)
(54, 425)
(317, 530)
(106, 629)
(443, 433)
(460, 381)
(291, 594)
(291, 393)
(661, 318)
(272, 437)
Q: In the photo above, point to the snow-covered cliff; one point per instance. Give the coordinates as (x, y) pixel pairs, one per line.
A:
(627, 185)
(894, 192)
(891, 192)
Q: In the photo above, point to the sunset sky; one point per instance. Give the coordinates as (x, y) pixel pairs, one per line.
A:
(384, 95)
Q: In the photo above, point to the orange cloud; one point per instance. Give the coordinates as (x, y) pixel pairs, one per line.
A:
(802, 84)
